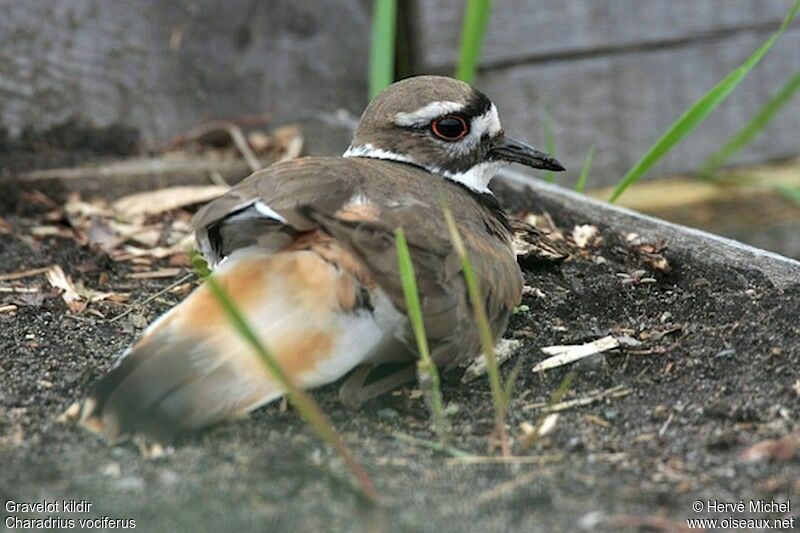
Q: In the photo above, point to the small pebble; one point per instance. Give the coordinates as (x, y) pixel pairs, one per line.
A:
(387, 413)
(730, 352)
(131, 483)
(168, 477)
(112, 470)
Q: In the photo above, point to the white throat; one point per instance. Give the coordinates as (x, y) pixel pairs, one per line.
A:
(476, 178)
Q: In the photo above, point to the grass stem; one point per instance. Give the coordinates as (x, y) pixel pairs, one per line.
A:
(476, 19)
(427, 372)
(500, 397)
(580, 185)
(382, 48)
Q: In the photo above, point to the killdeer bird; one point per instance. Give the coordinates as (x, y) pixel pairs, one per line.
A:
(306, 250)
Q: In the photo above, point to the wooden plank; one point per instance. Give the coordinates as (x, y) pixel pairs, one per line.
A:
(687, 246)
(166, 66)
(623, 102)
(117, 178)
(521, 30)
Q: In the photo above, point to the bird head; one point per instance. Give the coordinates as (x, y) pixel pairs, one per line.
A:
(446, 127)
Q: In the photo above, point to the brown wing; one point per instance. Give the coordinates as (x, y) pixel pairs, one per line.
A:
(416, 207)
(360, 203)
(262, 209)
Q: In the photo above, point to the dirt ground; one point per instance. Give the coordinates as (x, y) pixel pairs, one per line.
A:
(716, 372)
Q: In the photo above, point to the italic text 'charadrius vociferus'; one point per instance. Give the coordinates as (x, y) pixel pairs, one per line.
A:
(306, 250)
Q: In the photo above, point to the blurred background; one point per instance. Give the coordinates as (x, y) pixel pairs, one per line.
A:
(595, 81)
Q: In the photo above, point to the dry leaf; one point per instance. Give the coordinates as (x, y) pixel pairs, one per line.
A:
(58, 279)
(153, 202)
(24, 273)
(529, 242)
(51, 231)
(545, 223)
(37, 198)
(5, 227)
(587, 236)
(71, 414)
(180, 260)
(783, 449)
(162, 273)
(100, 233)
(290, 139)
(503, 350)
(147, 236)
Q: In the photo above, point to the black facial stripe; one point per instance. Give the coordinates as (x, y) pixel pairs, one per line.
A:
(477, 105)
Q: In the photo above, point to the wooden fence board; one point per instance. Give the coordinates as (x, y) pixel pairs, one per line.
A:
(520, 30)
(623, 102)
(166, 66)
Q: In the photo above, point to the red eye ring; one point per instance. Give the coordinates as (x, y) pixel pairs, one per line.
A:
(450, 127)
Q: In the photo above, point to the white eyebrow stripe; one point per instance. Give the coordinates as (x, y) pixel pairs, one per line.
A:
(489, 123)
(425, 114)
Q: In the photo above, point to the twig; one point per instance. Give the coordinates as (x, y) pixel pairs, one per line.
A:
(500, 490)
(198, 132)
(665, 426)
(564, 355)
(10, 276)
(433, 445)
(155, 274)
(244, 147)
(503, 459)
(23, 290)
(218, 179)
(614, 392)
(149, 299)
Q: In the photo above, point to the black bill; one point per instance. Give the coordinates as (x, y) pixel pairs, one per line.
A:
(524, 154)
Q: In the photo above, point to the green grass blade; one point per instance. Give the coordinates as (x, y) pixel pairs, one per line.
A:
(476, 19)
(199, 264)
(698, 111)
(436, 446)
(580, 185)
(511, 381)
(484, 330)
(790, 192)
(381, 52)
(306, 405)
(743, 137)
(427, 371)
(549, 141)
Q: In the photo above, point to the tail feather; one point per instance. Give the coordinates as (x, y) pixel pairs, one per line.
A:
(191, 369)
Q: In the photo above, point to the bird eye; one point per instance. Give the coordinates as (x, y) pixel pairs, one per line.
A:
(450, 128)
